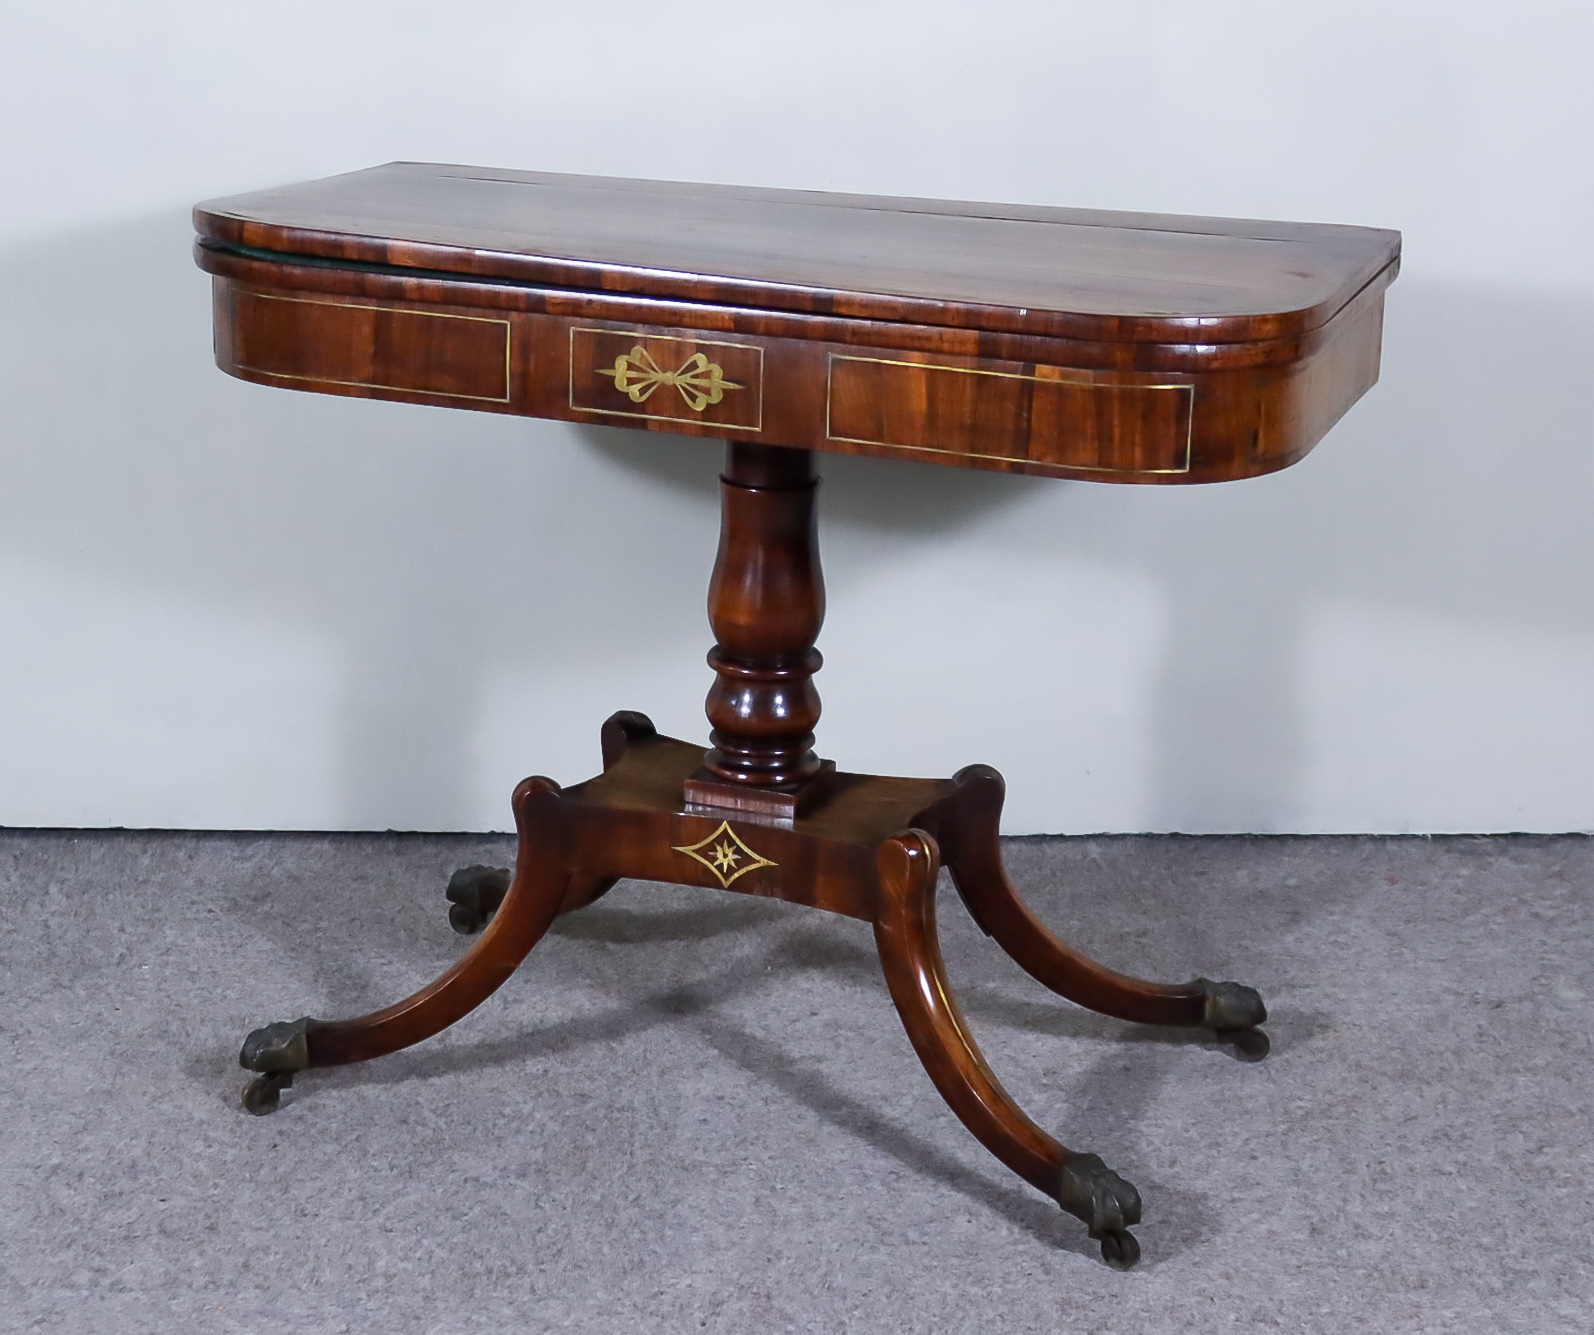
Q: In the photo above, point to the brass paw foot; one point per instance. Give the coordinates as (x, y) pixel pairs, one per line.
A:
(277, 1052)
(1233, 1012)
(474, 894)
(1092, 1192)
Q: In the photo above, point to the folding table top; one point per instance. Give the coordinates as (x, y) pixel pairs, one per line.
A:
(1113, 347)
(1071, 273)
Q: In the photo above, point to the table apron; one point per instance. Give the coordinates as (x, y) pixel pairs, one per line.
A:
(889, 400)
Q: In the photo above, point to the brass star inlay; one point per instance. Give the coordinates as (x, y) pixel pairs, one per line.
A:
(724, 854)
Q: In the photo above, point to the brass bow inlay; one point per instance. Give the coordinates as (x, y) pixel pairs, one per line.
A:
(728, 857)
(700, 381)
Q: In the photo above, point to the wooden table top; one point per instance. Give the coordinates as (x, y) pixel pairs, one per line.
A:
(1113, 347)
(1069, 273)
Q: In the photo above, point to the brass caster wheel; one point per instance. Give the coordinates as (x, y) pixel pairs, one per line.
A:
(1092, 1192)
(264, 1092)
(467, 922)
(1120, 1249)
(1232, 1011)
(474, 894)
(276, 1054)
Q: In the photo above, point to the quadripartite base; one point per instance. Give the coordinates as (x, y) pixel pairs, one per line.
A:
(862, 845)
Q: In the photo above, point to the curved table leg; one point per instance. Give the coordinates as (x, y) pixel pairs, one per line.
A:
(585, 889)
(1231, 1010)
(911, 955)
(278, 1051)
(474, 893)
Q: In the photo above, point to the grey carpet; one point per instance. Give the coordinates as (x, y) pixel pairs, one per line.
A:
(693, 1111)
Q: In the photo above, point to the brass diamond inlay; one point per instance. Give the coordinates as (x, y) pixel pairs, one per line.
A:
(724, 854)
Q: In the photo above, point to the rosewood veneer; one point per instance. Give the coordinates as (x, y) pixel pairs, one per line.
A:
(1111, 347)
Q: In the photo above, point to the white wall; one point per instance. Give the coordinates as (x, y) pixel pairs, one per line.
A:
(229, 606)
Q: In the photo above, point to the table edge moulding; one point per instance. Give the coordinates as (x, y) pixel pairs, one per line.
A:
(1101, 346)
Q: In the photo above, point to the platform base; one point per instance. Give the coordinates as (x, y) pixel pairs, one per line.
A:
(861, 845)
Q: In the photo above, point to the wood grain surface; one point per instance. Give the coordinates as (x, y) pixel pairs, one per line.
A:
(1068, 343)
(1104, 346)
(1067, 273)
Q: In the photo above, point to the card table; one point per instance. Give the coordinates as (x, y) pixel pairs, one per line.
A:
(1068, 343)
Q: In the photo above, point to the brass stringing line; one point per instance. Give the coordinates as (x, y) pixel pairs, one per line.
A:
(505, 397)
(375, 384)
(1012, 375)
(634, 332)
(830, 368)
(365, 306)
